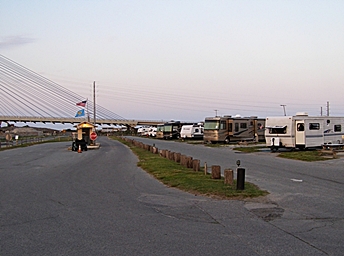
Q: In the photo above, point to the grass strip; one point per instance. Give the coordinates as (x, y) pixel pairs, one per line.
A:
(308, 156)
(249, 149)
(27, 144)
(174, 175)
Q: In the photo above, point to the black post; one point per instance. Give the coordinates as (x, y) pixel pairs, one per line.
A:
(240, 178)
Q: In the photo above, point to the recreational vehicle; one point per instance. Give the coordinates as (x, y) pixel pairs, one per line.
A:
(160, 131)
(303, 131)
(192, 131)
(172, 129)
(227, 129)
(152, 132)
(143, 130)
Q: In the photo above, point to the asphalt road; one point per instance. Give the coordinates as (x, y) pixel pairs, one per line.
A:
(306, 199)
(58, 202)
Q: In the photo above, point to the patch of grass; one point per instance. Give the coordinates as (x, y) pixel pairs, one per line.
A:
(249, 149)
(193, 142)
(308, 156)
(27, 144)
(215, 145)
(174, 175)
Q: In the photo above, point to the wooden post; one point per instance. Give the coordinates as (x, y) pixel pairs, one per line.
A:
(155, 150)
(228, 174)
(205, 168)
(177, 157)
(163, 152)
(216, 172)
(189, 161)
(171, 156)
(183, 160)
(196, 165)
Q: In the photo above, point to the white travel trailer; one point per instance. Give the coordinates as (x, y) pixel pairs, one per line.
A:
(152, 132)
(143, 130)
(303, 131)
(193, 131)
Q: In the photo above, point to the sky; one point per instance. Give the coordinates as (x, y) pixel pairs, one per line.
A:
(185, 60)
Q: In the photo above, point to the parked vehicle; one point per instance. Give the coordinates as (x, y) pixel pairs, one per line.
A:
(229, 129)
(152, 132)
(160, 131)
(143, 130)
(172, 129)
(192, 131)
(303, 131)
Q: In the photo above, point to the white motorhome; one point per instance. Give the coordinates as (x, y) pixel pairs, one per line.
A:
(193, 131)
(303, 131)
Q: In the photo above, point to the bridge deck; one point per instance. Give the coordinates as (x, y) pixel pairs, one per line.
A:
(54, 120)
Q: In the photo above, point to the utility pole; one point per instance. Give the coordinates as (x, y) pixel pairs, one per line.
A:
(284, 109)
(94, 103)
(328, 108)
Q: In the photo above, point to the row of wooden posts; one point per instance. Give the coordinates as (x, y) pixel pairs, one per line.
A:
(186, 161)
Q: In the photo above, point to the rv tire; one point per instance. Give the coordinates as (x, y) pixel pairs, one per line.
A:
(227, 140)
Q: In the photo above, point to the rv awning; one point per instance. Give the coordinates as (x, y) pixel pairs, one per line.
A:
(276, 127)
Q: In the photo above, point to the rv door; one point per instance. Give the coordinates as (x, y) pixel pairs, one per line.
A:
(300, 139)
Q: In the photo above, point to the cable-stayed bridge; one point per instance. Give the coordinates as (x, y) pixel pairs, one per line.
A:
(26, 96)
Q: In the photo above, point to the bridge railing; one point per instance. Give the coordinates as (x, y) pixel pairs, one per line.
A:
(73, 120)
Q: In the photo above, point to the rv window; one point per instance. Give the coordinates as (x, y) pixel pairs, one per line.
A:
(300, 127)
(279, 130)
(230, 128)
(168, 128)
(211, 125)
(260, 126)
(236, 127)
(337, 128)
(223, 125)
(314, 126)
(243, 125)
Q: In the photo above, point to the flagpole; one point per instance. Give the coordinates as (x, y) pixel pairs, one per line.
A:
(88, 115)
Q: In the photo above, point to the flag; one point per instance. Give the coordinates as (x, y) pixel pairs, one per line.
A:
(81, 112)
(82, 103)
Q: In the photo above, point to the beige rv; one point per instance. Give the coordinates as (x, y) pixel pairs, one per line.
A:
(160, 131)
(230, 129)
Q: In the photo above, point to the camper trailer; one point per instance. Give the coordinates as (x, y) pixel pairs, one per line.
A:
(152, 132)
(143, 130)
(303, 131)
(230, 129)
(192, 131)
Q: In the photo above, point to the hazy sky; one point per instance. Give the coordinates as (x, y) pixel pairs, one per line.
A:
(183, 60)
